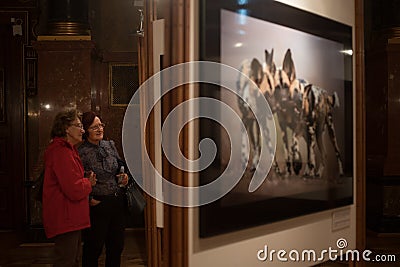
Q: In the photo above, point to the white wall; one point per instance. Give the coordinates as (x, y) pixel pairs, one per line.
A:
(307, 232)
(338, 10)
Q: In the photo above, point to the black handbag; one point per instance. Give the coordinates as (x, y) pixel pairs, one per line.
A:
(134, 199)
(135, 202)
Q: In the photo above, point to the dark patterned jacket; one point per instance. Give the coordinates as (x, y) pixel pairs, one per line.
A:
(102, 159)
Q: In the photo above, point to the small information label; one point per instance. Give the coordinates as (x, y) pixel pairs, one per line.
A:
(340, 219)
(138, 3)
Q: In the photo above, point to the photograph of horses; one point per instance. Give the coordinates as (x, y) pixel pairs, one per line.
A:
(306, 77)
(301, 76)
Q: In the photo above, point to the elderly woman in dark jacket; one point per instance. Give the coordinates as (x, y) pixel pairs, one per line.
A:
(65, 190)
(106, 200)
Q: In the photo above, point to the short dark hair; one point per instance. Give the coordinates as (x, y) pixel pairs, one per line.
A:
(62, 121)
(87, 120)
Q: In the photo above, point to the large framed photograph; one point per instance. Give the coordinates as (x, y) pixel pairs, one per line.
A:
(302, 64)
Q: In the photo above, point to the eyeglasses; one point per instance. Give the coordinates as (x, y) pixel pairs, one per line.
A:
(97, 127)
(78, 125)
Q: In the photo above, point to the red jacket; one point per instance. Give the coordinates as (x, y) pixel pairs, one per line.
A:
(65, 190)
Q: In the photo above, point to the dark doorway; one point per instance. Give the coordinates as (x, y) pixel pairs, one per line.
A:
(12, 163)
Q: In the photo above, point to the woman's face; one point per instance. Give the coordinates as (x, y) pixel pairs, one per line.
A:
(74, 132)
(95, 131)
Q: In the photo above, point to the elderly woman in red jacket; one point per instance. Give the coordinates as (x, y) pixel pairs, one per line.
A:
(65, 190)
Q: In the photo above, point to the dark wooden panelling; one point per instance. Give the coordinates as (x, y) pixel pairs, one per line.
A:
(6, 203)
(121, 57)
(113, 24)
(3, 155)
(18, 4)
(3, 200)
(2, 94)
(382, 81)
(30, 71)
(12, 129)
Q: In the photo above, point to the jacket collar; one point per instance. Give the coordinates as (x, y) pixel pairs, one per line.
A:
(87, 143)
(63, 142)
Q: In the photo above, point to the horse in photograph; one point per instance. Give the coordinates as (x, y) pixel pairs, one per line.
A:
(251, 94)
(317, 113)
(287, 101)
(248, 92)
(267, 85)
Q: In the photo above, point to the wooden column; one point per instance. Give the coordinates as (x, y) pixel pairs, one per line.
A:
(360, 129)
(167, 246)
(146, 70)
(177, 32)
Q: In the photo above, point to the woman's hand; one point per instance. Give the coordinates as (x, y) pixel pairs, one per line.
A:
(94, 202)
(92, 178)
(123, 179)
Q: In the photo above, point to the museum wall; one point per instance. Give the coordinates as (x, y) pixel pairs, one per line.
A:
(317, 231)
(95, 70)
